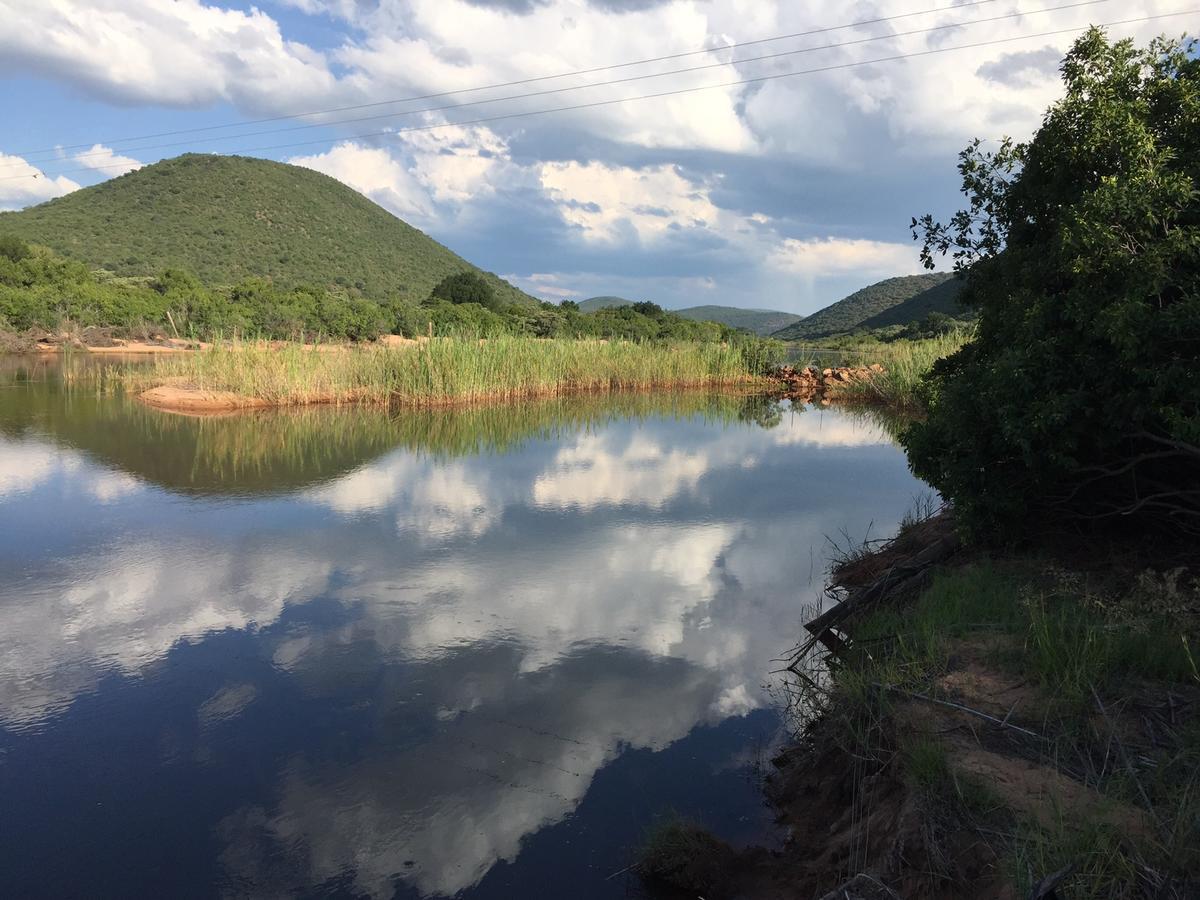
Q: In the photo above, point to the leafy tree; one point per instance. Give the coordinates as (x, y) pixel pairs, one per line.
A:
(466, 287)
(646, 308)
(13, 248)
(1079, 400)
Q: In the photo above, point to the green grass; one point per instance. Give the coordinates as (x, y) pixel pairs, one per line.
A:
(682, 856)
(904, 363)
(1062, 635)
(445, 370)
(1070, 638)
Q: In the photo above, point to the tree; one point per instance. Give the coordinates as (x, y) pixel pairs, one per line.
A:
(1078, 402)
(466, 287)
(13, 248)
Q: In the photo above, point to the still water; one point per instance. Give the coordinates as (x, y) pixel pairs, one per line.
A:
(357, 653)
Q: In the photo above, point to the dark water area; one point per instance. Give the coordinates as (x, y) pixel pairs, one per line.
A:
(361, 653)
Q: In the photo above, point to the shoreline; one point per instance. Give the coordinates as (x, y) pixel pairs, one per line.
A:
(438, 373)
(951, 738)
(172, 399)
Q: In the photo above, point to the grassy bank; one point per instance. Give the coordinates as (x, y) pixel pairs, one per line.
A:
(441, 371)
(1040, 719)
(904, 364)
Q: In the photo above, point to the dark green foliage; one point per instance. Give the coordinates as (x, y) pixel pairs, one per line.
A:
(466, 287)
(759, 321)
(940, 300)
(44, 291)
(230, 218)
(1079, 400)
(594, 303)
(911, 296)
(13, 248)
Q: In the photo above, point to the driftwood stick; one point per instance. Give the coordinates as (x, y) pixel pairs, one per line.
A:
(1047, 887)
(1003, 723)
(897, 577)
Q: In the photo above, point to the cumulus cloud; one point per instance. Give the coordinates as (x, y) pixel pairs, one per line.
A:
(23, 184)
(1022, 67)
(105, 160)
(672, 186)
(818, 257)
(185, 53)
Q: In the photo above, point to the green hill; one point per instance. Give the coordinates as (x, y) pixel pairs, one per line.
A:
(894, 301)
(228, 218)
(759, 321)
(941, 298)
(591, 304)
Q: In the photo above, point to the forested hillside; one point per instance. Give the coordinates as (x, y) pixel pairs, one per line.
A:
(894, 301)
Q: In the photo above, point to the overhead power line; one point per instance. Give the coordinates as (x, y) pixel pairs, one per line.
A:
(688, 90)
(532, 80)
(578, 87)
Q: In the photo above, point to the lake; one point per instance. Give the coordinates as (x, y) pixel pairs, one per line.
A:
(373, 653)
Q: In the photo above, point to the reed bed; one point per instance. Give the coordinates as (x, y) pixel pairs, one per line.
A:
(440, 371)
(904, 363)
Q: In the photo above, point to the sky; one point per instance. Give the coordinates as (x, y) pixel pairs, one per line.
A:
(786, 191)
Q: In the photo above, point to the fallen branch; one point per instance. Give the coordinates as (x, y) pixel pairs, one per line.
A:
(900, 578)
(1046, 889)
(1002, 723)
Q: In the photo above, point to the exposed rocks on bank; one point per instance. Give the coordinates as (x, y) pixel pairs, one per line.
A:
(810, 382)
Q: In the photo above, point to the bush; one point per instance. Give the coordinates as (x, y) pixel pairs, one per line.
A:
(1079, 399)
(466, 287)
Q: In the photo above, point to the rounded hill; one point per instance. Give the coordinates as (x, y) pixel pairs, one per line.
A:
(228, 218)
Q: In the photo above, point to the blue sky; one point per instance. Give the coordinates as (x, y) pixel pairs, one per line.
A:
(786, 193)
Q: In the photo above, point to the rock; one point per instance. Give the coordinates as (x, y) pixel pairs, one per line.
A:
(862, 887)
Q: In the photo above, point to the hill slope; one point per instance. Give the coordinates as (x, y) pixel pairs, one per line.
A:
(941, 298)
(591, 304)
(227, 218)
(892, 301)
(760, 321)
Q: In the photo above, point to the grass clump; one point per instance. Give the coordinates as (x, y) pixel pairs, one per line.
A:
(1105, 706)
(905, 364)
(680, 855)
(444, 370)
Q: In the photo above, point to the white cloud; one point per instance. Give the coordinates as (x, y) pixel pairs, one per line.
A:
(183, 53)
(23, 184)
(817, 257)
(423, 176)
(107, 161)
(616, 203)
(375, 173)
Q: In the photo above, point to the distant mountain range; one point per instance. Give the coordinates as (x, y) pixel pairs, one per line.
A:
(893, 301)
(228, 218)
(759, 321)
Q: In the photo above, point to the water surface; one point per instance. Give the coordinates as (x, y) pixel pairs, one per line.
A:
(371, 654)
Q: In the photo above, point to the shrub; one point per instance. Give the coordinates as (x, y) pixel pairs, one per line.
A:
(466, 287)
(1079, 399)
